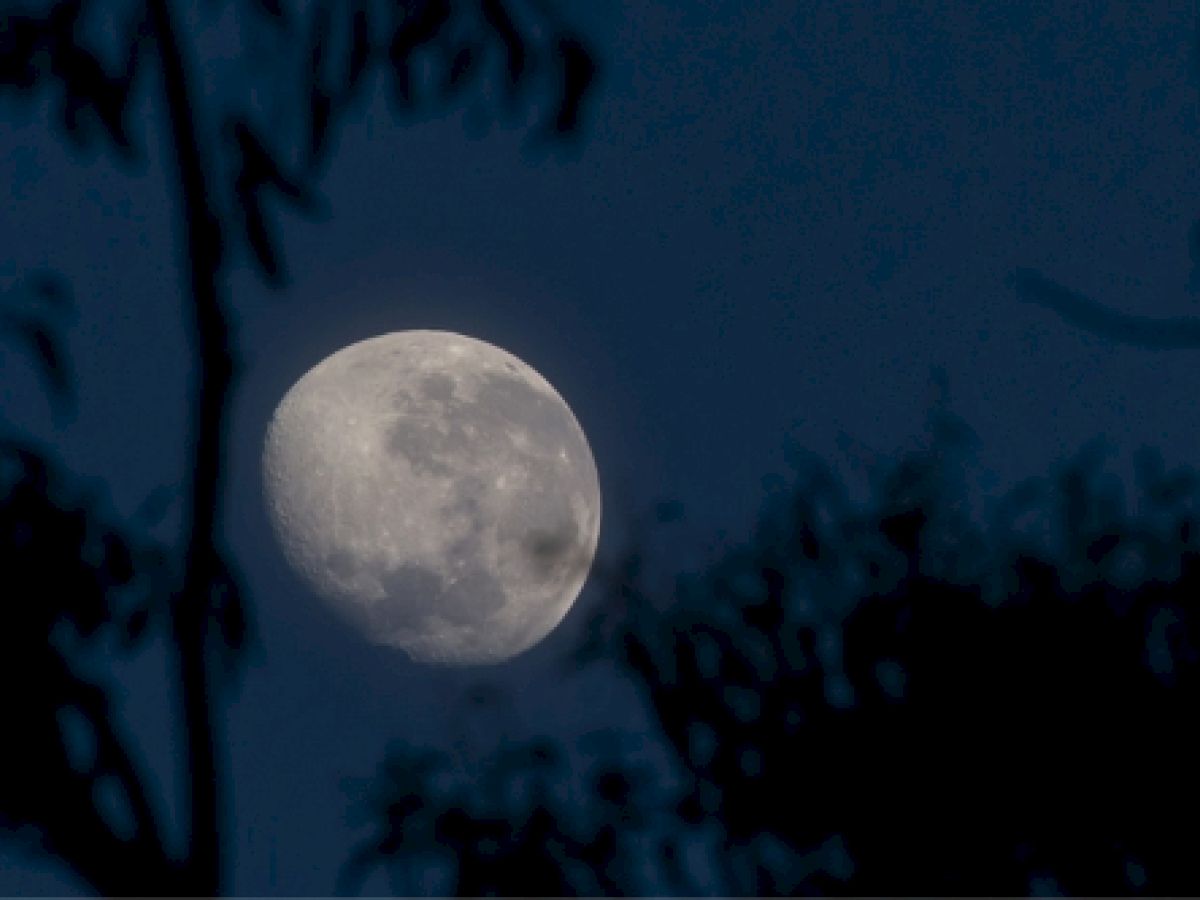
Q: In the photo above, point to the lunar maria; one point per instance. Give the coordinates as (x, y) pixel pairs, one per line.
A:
(437, 492)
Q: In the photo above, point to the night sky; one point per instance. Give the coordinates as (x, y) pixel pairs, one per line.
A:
(780, 219)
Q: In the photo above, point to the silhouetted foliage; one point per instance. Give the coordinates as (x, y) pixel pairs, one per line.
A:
(78, 584)
(510, 830)
(882, 698)
(897, 697)
(71, 570)
(33, 317)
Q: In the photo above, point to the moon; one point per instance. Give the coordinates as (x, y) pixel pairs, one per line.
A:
(437, 492)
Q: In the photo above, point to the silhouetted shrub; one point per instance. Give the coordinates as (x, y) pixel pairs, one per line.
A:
(894, 697)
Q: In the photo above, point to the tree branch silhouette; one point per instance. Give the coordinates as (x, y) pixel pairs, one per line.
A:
(203, 564)
(431, 51)
(1174, 333)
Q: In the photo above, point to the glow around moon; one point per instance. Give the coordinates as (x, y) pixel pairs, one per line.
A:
(437, 491)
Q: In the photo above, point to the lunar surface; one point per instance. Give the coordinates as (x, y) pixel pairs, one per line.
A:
(437, 491)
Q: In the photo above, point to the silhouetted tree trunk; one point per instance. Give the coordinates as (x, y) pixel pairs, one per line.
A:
(213, 376)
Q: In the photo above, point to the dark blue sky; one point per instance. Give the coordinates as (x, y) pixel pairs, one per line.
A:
(781, 217)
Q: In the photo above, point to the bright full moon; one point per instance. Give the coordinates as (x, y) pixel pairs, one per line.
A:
(437, 491)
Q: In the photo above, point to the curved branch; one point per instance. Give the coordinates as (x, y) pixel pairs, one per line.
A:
(1175, 333)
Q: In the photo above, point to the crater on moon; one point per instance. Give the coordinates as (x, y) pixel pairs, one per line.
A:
(437, 491)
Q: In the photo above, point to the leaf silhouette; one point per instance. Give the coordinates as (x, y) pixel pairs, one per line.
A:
(20, 40)
(320, 106)
(418, 26)
(40, 337)
(360, 47)
(578, 71)
(229, 616)
(498, 18)
(460, 68)
(272, 9)
(257, 171)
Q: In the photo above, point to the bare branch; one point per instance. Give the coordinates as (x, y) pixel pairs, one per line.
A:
(1174, 333)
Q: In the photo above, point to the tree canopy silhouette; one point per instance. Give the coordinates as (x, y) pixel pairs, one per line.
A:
(896, 697)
